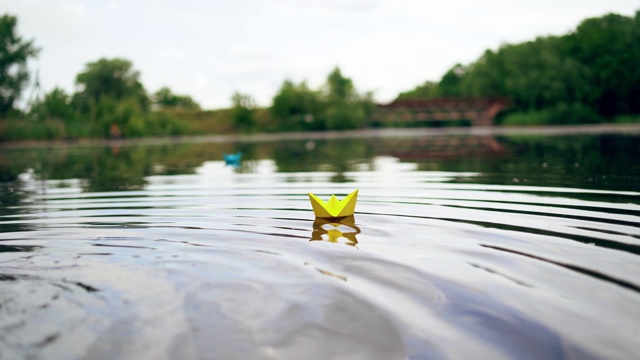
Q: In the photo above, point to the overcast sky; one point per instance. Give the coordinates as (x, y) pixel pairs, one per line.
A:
(210, 48)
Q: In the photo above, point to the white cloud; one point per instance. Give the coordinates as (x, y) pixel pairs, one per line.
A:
(331, 6)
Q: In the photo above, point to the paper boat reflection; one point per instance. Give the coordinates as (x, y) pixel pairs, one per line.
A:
(342, 230)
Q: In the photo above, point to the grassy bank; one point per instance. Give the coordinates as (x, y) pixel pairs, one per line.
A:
(217, 122)
(563, 117)
(154, 124)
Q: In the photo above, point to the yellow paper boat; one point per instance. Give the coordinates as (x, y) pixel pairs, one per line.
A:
(334, 208)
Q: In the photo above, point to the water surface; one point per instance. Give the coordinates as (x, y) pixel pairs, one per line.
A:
(461, 247)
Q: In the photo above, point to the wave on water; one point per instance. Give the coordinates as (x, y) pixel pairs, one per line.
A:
(221, 263)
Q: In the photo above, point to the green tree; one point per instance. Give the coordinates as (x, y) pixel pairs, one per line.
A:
(110, 80)
(610, 47)
(534, 75)
(425, 91)
(340, 88)
(55, 105)
(344, 108)
(112, 97)
(165, 98)
(14, 54)
(584, 76)
(538, 77)
(450, 84)
(296, 107)
(243, 114)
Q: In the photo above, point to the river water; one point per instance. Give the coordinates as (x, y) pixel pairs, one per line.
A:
(461, 247)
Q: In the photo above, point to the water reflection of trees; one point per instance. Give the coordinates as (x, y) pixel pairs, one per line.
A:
(11, 196)
(336, 155)
(444, 147)
(604, 162)
(103, 169)
(18, 248)
(607, 162)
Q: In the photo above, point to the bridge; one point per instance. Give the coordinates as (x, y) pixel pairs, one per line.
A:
(480, 111)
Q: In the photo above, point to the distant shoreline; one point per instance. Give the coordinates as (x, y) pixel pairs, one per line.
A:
(557, 130)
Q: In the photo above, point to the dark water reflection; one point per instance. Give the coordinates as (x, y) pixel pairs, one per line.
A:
(342, 230)
(606, 162)
(461, 247)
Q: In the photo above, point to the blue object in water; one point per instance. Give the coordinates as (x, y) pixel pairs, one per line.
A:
(232, 159)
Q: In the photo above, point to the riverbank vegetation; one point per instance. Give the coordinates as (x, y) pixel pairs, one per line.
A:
(587, 76)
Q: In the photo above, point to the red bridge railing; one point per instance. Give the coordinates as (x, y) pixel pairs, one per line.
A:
(480, 111)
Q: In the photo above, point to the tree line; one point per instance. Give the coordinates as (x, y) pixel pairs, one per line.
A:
(591, 74)
(110, 101)
(588, 75)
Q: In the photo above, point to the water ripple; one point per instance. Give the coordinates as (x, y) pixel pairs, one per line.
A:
(239, 265)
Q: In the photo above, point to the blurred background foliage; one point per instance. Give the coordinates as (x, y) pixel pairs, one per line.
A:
(589, 75)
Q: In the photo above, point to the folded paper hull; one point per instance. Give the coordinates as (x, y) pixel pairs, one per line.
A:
(334, 208)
